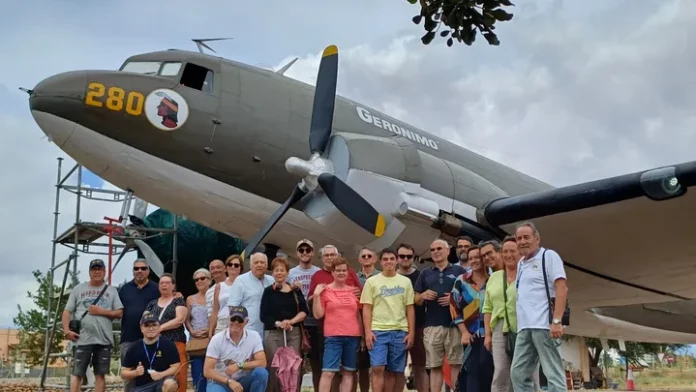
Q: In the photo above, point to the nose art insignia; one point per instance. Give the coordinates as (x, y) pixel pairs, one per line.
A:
(167, 110)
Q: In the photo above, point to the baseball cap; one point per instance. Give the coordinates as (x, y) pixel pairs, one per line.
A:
(304, 241)
(238, 311)
(96, 263)
(148, 317)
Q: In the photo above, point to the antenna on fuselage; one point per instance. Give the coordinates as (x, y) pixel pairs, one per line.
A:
(200, 43)
(286, 66)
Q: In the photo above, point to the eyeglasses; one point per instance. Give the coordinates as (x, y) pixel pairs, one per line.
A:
(439, 248)
(366, 256)
(235, 265)
(406, 256)
(139, 268)
(201, 278)
(304, 250)
(236, 320)
(151, 326)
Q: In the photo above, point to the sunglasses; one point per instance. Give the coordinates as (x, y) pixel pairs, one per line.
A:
(366, 256)
(139, 268)
(406, 256)
(304, 250)
(200, 278)
(439, 248)
(236, 319)
(235, 265)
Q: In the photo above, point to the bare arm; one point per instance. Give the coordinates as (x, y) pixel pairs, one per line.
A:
(65, 319)
(418, 299)
(259, 361)
(212, 322)
(172, 370)
(487, 323)
(561, 286)
(181, 313)
(112, 314)
(187, 324)
(317, 309)
(411, 319)
(210, 373)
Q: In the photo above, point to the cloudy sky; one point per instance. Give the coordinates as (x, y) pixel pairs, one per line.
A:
(577, 91)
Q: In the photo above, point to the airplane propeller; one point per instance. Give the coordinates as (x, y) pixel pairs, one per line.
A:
(317, 171)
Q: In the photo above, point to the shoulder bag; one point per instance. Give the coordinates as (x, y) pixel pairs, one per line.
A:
(306, 346)
(510, 335)
(565, 319)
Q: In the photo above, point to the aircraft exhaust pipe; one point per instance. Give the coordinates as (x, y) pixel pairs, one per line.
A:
(456, 227)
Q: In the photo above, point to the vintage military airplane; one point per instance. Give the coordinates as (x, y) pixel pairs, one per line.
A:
(224, 143)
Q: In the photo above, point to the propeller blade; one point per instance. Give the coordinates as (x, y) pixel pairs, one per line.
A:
(352, 205)
(296, 195)
(324, 101)
(153, 261)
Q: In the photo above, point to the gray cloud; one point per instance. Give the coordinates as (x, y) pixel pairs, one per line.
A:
(574, 93)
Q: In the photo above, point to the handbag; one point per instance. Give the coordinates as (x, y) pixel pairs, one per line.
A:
(196, 347)
(510, 336)
(565, 319)
(306, 346)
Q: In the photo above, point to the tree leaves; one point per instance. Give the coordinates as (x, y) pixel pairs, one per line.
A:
(461, 20)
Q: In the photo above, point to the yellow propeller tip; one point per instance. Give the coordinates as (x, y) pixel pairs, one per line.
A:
(380, 226)
(330, 51)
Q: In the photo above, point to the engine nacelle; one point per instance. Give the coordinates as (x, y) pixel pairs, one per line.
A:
(409, 187)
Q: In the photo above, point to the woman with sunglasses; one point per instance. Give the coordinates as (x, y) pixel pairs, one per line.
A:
(283, 309)
(197, 325)
(220, 317)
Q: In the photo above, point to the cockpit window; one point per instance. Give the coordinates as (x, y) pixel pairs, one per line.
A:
(170, 69)
(152, 68)
(142, 67)
(197, 77)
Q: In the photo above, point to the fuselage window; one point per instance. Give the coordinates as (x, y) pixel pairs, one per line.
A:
(170, 69)
(197, 77)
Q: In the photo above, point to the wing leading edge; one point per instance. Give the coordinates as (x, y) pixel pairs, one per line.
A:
(625, 240)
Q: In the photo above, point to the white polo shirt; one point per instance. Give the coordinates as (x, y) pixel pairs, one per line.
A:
(222, 348)
(532, 303)
(247, 291)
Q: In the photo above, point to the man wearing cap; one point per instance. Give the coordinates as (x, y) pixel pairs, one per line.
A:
(92, 307)
(152, 362)
(301, 276)
(235, 360)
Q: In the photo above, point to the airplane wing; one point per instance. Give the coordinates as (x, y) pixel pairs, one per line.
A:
(626, 240)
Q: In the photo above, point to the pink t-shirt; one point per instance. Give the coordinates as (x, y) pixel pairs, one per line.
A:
(341, 308)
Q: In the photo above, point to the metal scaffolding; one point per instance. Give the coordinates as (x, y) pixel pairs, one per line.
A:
(83, 237)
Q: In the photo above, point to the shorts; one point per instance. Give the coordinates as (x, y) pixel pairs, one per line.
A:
(440, 341)
(340, 352)
(389, 350)
(417, 351)
(155, 386)
(316, 339)
(96, 354)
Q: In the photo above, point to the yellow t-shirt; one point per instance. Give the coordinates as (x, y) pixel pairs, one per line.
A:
(389, 297)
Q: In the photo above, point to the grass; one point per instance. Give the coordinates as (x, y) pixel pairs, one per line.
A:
(658, 379)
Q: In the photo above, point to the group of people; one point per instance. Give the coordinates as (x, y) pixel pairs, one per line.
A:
(491, 319)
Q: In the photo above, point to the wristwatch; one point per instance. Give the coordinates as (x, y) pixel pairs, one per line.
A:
(240, 365)
(556, 321)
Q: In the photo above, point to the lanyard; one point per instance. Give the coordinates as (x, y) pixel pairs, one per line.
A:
(147, 353)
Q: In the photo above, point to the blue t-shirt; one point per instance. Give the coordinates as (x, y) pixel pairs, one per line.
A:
(441, 282)
(134, 301)
(159, 357)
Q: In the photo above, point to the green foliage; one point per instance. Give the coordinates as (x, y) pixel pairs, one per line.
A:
(634, 351)
(461, 20)
(32, 322)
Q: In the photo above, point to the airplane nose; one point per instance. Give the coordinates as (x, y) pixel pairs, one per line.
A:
(55, 101)
(56, 88)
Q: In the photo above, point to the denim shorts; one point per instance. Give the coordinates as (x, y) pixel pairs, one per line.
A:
(340, 352)
(389, 350)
